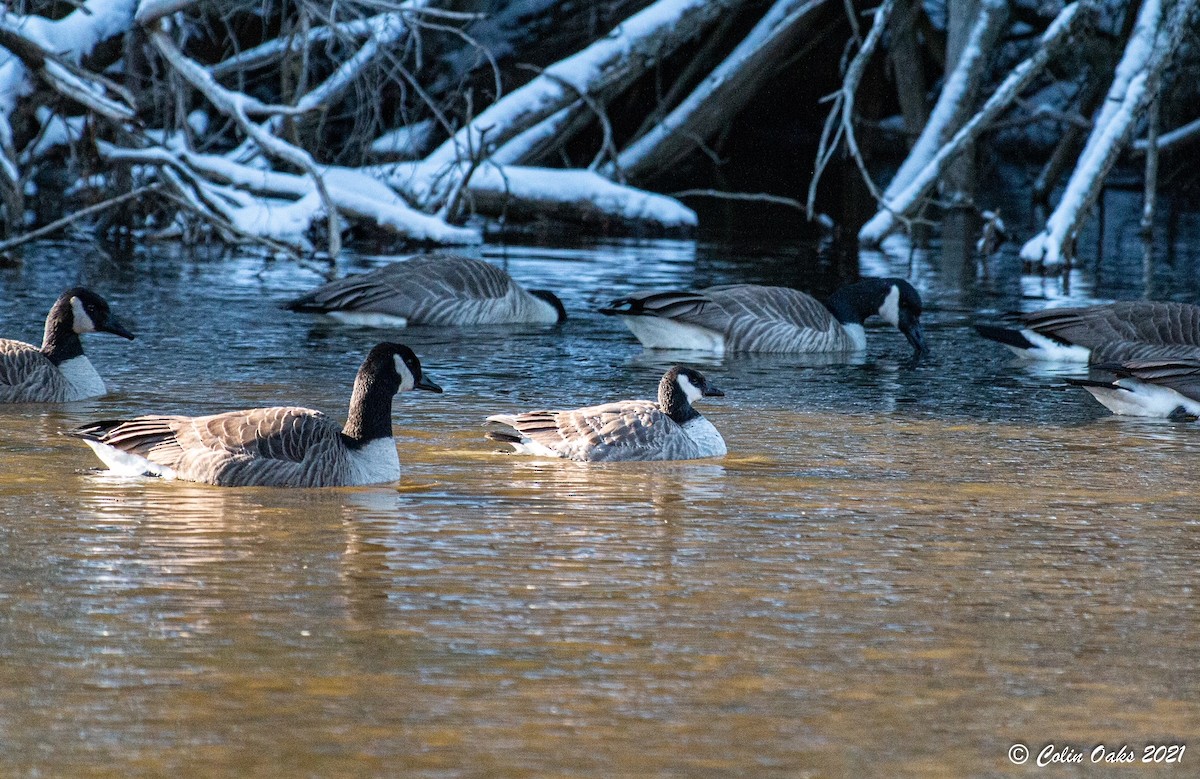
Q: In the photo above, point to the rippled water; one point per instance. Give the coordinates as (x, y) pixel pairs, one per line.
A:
(898, 571)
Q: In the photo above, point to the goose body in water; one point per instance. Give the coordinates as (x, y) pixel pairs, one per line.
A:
(753, 318)
(1106, 333)
(272, 447)
(670, 429)
(58, 372)
(435, 289)
(1166, 388)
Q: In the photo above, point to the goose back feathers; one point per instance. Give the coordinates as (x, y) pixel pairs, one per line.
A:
(276, 447)
(438, 289)
(1112, 332)
(754, 318)
(58, 372)
(670, 429)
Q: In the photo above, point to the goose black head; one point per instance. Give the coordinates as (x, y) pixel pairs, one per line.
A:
(398, 364)
(680, 388)
(552, 299)
(89, 313)
(895, 301)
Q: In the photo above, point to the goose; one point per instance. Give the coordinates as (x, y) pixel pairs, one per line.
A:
(58, 372)
(670, 429)
(1167, 388)
(1106, 333)
(434, 289)
(272, 447)
(753, 318)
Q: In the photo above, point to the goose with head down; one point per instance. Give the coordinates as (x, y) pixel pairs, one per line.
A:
(669, 429)
(1164, 388)
(433, 289)
(1105, 333)
(58, 372)
(284, 446)
(754, 318)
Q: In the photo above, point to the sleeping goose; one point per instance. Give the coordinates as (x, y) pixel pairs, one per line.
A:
(58, 372)
(753, 318)
(1111, 332)
(272, 447)
(435, 289)
(670, 429)
(1149, 388)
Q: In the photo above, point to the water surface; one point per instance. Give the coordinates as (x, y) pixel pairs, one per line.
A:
(898, 570)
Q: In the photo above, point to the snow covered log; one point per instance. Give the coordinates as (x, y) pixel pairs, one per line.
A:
(576, 196)
(953, 106)
(1154, 40)
(719, 96)
(905, 202)
(570, 195)
(599, 71)
(285, 205)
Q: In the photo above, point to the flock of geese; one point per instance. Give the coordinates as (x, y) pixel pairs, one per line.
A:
(1151, 350)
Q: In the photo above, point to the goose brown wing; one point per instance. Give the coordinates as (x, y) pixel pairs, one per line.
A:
(27, 375)
(1126, 351)
(629, 430)
(1181, 375)
(199, 447)
(776, 319)
(412, 289)
(285, 433)
(1145, 321)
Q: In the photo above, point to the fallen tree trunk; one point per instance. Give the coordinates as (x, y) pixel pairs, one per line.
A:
(953, 106)
(905, 203)
(1135, 84)
(598, 71)
(719, 96)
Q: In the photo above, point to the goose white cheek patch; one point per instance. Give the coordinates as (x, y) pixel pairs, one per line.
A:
(407, 380)
(689, 389)
(83, 322)
(890, 310)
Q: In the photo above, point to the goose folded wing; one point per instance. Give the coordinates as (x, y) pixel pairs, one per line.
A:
(1145, 321)
(282, 433)
(1131, 351)
(609, 431)
(24, 369)
(1181, 375)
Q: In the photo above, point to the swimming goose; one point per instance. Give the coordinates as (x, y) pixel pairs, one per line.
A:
(753, 318)
(670, 429)
(272, 447)
(1111, 332)
(435, 289)
(1149, 388)
(58, 372)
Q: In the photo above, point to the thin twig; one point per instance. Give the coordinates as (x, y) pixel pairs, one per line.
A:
(66, 220)
(762, 197)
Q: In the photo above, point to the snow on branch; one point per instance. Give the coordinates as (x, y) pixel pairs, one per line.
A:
(905, 202)
(1135, 83)
(633, 46)
(720, 95)
(953, 105)
(236, 105)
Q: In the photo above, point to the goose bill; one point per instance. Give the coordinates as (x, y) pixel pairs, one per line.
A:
(427, 385)
(114, 326)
